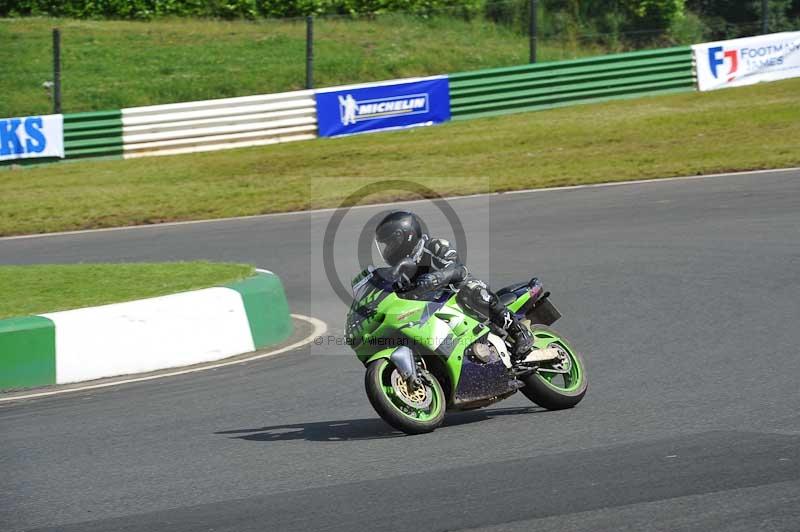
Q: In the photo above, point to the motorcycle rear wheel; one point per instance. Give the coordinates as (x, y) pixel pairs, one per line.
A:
(391, 400)
(556, 391)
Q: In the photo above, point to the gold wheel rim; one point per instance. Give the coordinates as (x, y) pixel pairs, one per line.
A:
(415, 396)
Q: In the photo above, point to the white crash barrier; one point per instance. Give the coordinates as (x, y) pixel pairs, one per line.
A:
(219, 124)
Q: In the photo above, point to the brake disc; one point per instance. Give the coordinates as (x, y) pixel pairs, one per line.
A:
(419, 397)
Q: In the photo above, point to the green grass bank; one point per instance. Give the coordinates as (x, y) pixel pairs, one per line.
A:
(116, 64)
(36, 289)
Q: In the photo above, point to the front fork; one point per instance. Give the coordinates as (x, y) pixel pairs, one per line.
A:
(403, 360)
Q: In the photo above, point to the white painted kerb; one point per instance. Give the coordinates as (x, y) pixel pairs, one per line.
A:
(150, 334)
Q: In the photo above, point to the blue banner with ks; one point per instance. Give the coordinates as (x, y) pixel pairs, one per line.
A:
(31, 136)
(387, 105)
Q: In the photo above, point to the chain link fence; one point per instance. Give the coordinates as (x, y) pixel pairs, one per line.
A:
(116, 64)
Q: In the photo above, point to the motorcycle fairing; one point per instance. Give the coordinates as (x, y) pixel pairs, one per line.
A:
(481, 384)
(380, 321)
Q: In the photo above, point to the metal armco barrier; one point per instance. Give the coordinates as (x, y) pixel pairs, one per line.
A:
(93, 134)
(271, 118)
(218, 124)
(523, 88)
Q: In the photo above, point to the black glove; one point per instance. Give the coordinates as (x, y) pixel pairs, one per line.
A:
(429, 281)
(402, 274)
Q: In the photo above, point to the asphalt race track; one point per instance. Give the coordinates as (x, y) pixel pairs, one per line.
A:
(683, 295)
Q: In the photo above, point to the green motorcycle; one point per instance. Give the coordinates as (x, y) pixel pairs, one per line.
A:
(425, 355)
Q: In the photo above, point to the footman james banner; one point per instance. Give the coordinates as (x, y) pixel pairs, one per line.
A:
(746, 61)
(31, 136)
(386, 105)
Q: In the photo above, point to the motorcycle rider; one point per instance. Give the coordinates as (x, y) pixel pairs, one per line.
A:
(399, 238)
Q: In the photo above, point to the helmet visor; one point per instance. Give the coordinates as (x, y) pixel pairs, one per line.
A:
(391, 247)
(381, 246)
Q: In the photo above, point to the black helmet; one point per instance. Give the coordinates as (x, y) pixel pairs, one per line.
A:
(397, 236)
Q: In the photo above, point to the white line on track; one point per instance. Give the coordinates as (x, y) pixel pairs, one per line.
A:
(320, 328)
(654, 180)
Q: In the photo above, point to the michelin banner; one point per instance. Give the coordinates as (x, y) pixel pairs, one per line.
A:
(387, 105)
(746, 61)
(31, 136)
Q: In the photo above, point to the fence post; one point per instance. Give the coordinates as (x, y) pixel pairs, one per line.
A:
(309, 52)
(56, 71)
(532, 30)
(764, 16)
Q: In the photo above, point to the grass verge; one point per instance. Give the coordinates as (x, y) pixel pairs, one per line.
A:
(36, 289)
(114, 64)
(694, 133)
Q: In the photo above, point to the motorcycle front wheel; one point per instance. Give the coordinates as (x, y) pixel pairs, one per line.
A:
(561, 383)
(414, 411)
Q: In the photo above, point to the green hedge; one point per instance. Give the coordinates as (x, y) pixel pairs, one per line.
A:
(561, 19)
(146, 9)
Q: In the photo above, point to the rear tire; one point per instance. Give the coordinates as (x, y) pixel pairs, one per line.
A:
(384, 399)
(542, 391)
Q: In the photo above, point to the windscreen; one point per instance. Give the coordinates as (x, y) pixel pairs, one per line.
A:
(361, 284)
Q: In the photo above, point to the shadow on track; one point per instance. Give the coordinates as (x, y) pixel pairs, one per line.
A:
(360, 429)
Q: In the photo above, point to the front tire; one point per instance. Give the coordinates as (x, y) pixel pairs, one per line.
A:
(556, 391)
(391, 399)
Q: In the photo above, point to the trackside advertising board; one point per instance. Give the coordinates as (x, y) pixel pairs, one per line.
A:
(746, 61)
(31, 136)
(387, 105)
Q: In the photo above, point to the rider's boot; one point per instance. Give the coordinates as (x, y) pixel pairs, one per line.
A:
(523, 342)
